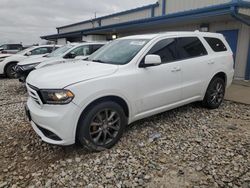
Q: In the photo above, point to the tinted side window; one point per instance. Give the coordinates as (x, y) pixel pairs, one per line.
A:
(216, 44)
(190, 47)
(14, 47)
(96, 47)
(39, 51)
(5, 47)
(50, 49)
(81, 51)
(166, 49)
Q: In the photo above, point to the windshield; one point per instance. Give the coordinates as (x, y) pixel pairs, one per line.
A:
(118, 52)
(60, 51)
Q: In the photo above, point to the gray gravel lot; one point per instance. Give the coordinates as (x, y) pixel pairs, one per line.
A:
(187, 147)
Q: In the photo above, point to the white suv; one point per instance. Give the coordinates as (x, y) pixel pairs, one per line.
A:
(129, 79)
(68, 53)
(7, 65)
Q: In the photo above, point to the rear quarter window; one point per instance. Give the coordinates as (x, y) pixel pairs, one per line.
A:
(216, 44)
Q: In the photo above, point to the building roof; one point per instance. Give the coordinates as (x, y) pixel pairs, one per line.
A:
(113, 15)
(229, 9)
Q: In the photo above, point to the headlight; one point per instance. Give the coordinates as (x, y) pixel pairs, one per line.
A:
(28, 67)
(57, 96)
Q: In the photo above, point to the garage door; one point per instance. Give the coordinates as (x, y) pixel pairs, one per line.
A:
(248, 64)
(232, 39)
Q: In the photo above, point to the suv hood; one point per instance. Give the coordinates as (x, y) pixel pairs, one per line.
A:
(62, 75)
(15, 57)
(32, 60)
(51, 61)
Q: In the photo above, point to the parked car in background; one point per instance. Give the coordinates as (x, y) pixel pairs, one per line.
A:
(8, 64)
(129, 79)
(67, 53)
(10, 48)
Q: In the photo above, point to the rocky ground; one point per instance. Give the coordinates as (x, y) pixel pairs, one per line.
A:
(187, 147)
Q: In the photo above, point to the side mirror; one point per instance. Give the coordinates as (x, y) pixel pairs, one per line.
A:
(71, 55)
(1, 49)
(152, 60)
(28, 54)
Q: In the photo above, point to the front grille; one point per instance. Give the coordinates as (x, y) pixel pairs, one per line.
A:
(34, 94)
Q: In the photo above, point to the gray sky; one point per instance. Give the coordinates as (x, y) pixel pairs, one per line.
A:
(26, 20)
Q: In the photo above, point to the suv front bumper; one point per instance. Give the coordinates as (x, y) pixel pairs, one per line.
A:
(55, 124)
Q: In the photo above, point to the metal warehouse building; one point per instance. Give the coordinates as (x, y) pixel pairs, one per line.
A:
(229, 17)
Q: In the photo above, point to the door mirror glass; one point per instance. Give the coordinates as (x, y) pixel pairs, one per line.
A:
(71, 55)
(152, 60)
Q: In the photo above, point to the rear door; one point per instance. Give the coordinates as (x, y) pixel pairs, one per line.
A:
(194, 60)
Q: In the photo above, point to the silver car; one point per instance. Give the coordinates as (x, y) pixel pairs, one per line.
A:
(11, 48)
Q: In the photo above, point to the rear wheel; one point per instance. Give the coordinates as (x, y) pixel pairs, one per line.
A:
(215, 93)
(10, 72)
(102, 126)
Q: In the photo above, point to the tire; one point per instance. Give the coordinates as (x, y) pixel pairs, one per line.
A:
(106, 118)
(215, 93)
(10, 73)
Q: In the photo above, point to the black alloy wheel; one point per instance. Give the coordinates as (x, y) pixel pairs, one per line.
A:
(215, 93)
(102, 126)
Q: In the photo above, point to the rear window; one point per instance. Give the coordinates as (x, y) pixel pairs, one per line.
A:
(216, 44)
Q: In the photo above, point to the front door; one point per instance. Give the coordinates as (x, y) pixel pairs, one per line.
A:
(159, 86)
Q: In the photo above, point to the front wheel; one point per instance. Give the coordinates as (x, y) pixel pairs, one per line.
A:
(215, 93)
(102, 126)
(10, 72)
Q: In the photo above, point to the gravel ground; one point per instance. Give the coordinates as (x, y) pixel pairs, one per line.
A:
(187, 147)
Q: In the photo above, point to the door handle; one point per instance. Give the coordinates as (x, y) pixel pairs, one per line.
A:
(176, 69)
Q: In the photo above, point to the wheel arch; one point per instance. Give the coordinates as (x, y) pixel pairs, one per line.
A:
(117, 99)
(220, 74)
(206, 101)
(7, 64)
